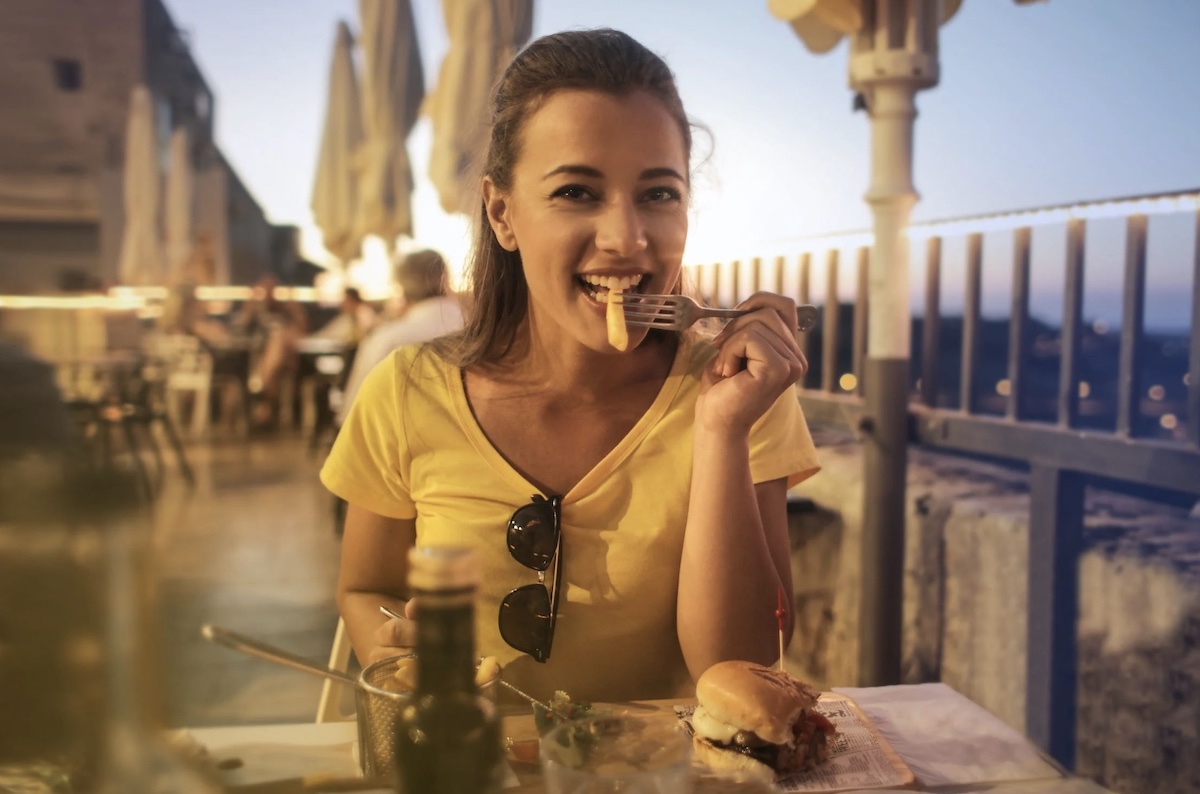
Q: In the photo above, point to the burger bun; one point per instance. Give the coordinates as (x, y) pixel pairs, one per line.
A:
(755, 698)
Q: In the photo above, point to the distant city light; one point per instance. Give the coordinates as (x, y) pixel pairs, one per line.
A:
(1004, 387)
(1085, 388)
(1187, 379)
(1156, 392)
(1168, 421)
(848, 381)
(1100, 327)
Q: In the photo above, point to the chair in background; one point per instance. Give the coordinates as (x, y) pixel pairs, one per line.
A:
(188, 374)
(331, 693)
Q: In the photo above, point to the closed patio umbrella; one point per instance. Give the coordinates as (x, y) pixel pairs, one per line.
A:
(141, 259)
(335, 188)
(484, 37)
(178, 216)
(393, 88)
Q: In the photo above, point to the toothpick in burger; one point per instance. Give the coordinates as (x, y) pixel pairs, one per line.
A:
(758, 722)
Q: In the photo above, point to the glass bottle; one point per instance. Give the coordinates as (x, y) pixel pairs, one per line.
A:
(448, 739)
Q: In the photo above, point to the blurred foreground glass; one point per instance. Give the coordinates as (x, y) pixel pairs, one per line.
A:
(80, 672)
(606, 755)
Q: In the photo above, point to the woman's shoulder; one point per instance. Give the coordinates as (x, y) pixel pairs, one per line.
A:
(415, 358)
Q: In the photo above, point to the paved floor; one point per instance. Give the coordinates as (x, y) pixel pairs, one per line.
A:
(250, 548)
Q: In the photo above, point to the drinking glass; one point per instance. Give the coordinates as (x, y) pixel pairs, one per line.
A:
(609, 754)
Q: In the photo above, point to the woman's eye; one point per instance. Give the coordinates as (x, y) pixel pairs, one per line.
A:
(573, 192)
(659, 194)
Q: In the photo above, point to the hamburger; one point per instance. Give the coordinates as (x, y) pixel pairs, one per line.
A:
(758, 722)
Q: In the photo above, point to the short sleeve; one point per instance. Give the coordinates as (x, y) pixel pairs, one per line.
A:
(781, 444)
(369, 463)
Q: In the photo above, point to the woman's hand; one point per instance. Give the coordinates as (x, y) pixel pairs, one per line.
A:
(396, 637)
(757, 360)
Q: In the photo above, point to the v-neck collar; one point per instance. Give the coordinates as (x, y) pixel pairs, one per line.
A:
(456, 384)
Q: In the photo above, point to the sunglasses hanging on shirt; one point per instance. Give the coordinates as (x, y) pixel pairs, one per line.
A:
(528, 613)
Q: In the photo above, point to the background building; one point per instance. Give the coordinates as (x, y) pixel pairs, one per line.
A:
(67, 69)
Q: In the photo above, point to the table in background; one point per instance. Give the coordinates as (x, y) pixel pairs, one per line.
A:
(952, 744)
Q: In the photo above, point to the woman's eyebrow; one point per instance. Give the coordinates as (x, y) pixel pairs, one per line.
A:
(660, 173)
(595, 173)
(578, 170)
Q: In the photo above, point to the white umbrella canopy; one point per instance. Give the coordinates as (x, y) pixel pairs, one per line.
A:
(484, 37)
(141, 260)
(393, 89)
(335, 188)
(178, 215)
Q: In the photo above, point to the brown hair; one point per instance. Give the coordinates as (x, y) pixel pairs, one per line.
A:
(603, 60)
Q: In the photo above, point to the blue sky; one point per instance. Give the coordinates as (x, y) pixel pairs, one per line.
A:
(1050, 103)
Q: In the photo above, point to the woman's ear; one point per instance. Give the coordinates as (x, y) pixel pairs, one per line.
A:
(495, 204)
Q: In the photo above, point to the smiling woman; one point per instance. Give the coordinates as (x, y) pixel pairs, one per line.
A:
(658, 464)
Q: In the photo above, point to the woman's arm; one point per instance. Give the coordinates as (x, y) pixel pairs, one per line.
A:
(374, 572)
(736, 551)
(736, 556)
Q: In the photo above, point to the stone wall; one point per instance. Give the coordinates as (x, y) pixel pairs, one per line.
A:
(965, 606)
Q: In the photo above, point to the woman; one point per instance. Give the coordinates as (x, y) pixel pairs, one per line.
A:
(664, 468)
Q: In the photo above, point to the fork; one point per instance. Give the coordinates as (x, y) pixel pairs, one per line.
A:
(677, 312)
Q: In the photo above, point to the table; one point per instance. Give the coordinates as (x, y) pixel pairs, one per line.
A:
(952, 744)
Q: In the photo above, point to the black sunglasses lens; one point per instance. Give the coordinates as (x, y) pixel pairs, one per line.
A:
(525, 620)
(533, 535)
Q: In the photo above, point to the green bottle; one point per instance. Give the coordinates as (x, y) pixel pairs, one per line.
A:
(448, 739)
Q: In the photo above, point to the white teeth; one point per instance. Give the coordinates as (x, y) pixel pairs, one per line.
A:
(613, 282)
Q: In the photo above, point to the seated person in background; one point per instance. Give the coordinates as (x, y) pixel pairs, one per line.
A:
(353, 322)
(428, 312)
(276, 327)
(184, 313)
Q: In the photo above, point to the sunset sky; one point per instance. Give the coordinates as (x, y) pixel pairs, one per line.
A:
(1064, 101)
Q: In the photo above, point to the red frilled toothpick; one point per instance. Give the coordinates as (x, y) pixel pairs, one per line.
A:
(780, 613)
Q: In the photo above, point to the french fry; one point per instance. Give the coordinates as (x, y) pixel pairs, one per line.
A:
(618, 334)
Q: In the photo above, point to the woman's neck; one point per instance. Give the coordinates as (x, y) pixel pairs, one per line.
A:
(579, 373)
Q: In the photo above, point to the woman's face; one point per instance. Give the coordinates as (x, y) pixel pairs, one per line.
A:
(599, 191)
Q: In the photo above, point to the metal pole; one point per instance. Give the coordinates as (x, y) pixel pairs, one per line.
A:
(893, 56)
(886, 381)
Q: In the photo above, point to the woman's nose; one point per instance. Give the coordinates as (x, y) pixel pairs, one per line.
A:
(620, 230)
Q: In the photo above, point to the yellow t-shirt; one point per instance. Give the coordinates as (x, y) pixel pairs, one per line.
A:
(411, 448)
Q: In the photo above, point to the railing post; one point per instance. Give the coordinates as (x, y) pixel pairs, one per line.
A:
(931, 348)
(831, 329)
(862, 309)
(1070, 345)
(1052, 608)
(1129, 390)
(970, 323)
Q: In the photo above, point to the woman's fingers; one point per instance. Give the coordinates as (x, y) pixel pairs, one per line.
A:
(395, 633)
(762, 354)
(771, 311)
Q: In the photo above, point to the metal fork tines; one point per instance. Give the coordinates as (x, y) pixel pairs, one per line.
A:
(677, 312)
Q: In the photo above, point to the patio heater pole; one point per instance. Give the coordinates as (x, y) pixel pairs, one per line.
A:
(892, 56)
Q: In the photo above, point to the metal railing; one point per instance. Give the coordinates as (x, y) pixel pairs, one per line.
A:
(1065, 448)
